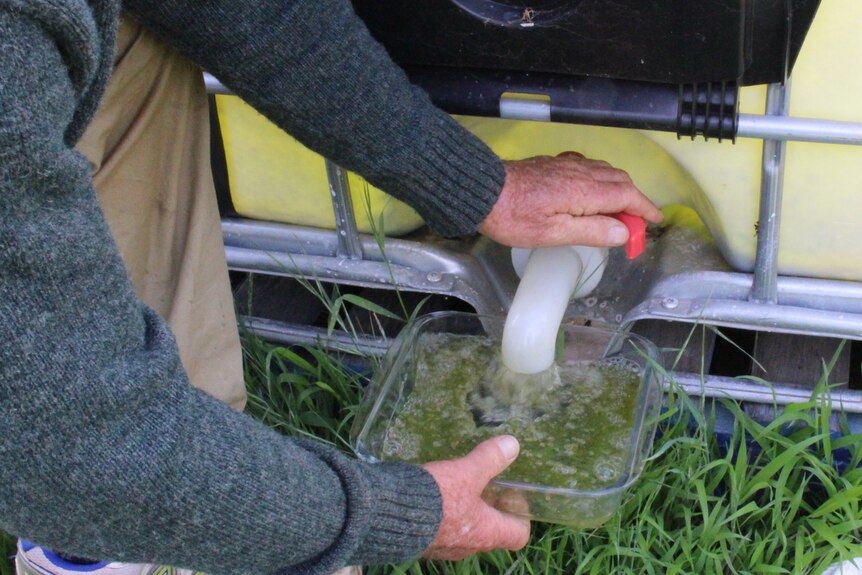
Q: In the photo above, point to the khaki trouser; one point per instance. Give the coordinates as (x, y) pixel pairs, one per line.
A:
(149, 148)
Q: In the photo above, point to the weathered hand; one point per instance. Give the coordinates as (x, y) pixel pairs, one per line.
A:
(469, 524)
(564, 200)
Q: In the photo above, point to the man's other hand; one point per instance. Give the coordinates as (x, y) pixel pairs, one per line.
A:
(469, 524)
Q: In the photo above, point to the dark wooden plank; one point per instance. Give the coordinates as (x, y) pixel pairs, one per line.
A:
(686, 347)
(799, 359)
(278, 298)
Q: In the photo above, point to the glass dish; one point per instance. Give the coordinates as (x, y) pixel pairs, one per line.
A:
(584, 434)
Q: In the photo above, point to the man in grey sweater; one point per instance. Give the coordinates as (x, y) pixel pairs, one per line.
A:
(106, 451)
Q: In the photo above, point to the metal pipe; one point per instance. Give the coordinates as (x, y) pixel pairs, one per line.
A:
(758, 126)
(293, 334)
(751, 315)
(349, 245)
(520, 108)
(738, 389)
(214, 85)
(764, 288)
(799, 129)
(733, 287)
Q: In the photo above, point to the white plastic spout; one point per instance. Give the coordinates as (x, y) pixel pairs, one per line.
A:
(550, 278)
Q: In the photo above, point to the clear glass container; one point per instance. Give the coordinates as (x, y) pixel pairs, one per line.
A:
(585, 427)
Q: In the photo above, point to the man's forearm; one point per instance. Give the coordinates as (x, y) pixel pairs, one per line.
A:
(312, 68)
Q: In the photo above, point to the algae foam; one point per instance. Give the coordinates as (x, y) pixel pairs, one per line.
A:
(574, 423)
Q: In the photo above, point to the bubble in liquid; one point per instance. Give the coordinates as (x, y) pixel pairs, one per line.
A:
(604, 472)
(563, 468)
(622, 363)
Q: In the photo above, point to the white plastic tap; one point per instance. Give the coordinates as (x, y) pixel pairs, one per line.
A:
(550, 278)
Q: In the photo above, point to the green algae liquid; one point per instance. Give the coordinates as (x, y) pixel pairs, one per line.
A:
(574, 422)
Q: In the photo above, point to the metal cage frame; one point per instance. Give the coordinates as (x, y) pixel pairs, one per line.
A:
(476, 270)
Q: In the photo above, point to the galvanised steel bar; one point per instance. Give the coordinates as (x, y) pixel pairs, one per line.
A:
(349, 245)
(787, 128)
(848, 401)
(764, 288)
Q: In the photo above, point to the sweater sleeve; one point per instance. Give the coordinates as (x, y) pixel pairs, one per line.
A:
(312, 68)
(105, 449)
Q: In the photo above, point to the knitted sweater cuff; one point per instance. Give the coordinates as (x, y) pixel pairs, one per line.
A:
(405, 517)
(393, 510)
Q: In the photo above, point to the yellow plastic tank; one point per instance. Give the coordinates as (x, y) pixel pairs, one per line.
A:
(822, 200)
(273, 177)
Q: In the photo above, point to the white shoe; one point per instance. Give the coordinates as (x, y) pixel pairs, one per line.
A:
(851, 567)
(34, 560)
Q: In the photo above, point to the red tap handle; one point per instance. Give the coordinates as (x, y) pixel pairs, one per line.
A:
(637, 234)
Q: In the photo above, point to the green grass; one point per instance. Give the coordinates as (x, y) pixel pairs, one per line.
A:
(301, 391)
(7, 549)
(767, 500)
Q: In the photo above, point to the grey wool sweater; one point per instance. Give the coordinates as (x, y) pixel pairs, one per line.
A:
(106, 451)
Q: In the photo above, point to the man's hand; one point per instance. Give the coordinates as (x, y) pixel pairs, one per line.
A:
(469, 524)
(564, 200)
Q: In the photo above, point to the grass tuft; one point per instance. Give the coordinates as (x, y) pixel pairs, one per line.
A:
(7, 552)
